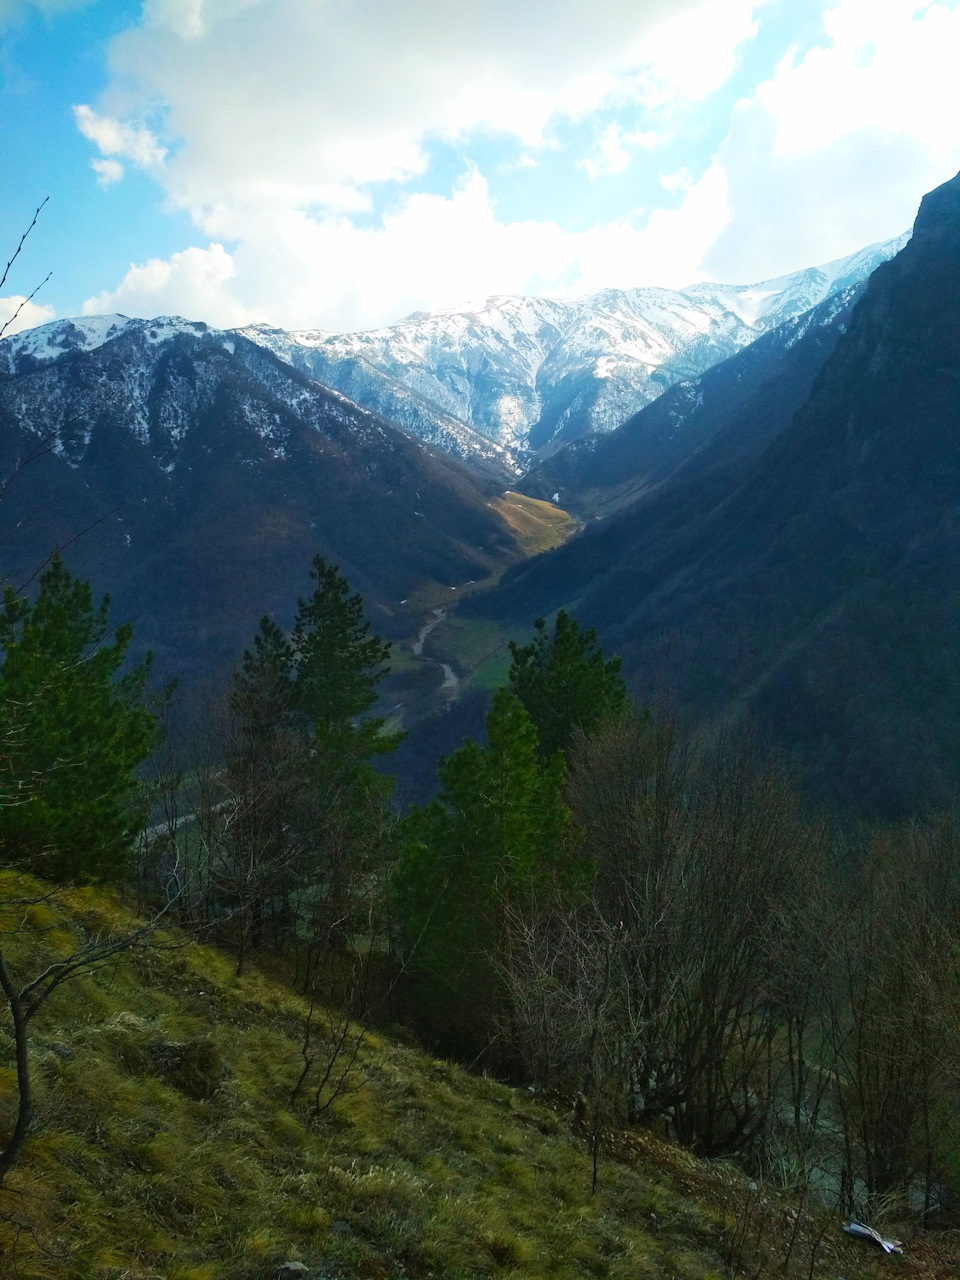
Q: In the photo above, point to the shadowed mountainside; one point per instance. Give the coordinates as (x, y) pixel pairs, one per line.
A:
(211, 473)
(723, 418)
(815, 586)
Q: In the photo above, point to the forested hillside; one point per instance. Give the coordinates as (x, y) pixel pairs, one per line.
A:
(195, 475)
(226, 985)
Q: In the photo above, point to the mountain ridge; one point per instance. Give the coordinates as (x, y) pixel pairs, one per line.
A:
(760, 387)
(207, 474)
(814, 585)
(509, 380)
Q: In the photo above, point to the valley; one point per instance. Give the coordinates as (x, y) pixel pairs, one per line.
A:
(479, 640)
(207, 465)
(566, 690)
(464, 653)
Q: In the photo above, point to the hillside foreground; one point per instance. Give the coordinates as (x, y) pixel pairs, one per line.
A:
(166, 1147)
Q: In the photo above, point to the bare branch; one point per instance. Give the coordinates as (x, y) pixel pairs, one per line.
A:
(16, 254)
(29, 298)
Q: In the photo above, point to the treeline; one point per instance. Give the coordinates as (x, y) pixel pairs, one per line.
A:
(600, 901)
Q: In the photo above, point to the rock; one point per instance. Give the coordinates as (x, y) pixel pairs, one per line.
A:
(341, 1228)
(291, 1271)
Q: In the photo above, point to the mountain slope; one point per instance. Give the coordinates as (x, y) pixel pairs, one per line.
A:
(722, 418)
(817, 585)
(216, 472)
(386, 395)
(528, 374)
(167, 1145)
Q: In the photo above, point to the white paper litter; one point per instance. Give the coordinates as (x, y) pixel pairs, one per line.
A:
(868, 1233)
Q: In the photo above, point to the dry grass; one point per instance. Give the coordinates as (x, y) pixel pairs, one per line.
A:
(538, 526)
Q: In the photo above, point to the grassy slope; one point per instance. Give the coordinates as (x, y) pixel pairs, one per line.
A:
(167, 1147)
(537, 525)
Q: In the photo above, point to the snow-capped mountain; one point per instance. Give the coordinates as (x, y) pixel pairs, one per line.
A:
(512, 379)
(204, 473)
(31, 347)
(800, 570)
(380, 392)
(720, 418)
(529, 374)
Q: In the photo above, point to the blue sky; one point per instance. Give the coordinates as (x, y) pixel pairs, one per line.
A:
(339, 163)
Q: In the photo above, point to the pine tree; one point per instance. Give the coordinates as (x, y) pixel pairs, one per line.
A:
(337, 662)
(306, 805)
(564, 682)
(75, 730)
(498, 827)
(322, 679)
(262, 693)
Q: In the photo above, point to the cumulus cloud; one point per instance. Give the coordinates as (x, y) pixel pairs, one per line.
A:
(117, 138)
(614, 150)
(30, 314)
(285, 113)
(835, 149)
(108, 171)
(294, 101)
(192, 283)
(694, 53)
(272, 122)
(298, 271)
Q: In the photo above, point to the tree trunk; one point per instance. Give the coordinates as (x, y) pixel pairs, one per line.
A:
(11, 1153)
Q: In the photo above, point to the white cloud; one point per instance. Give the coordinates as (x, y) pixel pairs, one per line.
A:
(108, 171)
(117, 138)
(31, 314)
(693, 54)
(289, 101)
(523, 161)
(835, 150)
(298, 271)
(192, 283)
(888, 67)
(614, 150)
(285, 112)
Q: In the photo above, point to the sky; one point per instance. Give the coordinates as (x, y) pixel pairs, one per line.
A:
(337, 164)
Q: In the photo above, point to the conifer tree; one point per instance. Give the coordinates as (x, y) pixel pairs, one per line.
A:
(498, 827)
(564, 682)
(306, 806)
(338, 664)
(323, 677)
(74, 731)
(262, 692)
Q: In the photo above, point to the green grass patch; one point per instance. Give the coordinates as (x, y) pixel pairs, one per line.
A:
(466, 642)
(167, 1146)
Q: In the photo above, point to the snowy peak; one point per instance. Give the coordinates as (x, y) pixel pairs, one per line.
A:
(770, 302)
(528, 374)
(378, 384)
(50, 341)
(506, 379)
(86, 333)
